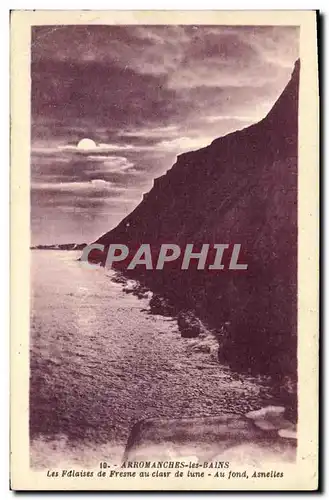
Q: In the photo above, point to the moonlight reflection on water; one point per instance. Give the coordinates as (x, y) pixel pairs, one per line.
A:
(100, 362)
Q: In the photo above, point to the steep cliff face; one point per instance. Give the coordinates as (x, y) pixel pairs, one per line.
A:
(242, 188)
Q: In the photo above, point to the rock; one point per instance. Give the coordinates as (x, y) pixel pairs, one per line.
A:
(266, 412)
(189, 325)
(265, 425)
(288, 433)
(159, 305)
(226, 435)
(270, 418)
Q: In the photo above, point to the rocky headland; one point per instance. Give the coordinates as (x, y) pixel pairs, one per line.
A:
(242, 188)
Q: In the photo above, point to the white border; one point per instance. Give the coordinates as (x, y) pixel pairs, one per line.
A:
(4, 197)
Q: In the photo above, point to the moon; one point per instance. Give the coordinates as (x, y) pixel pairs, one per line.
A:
(86, 144)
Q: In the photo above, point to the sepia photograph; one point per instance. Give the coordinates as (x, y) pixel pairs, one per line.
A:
(164, 175)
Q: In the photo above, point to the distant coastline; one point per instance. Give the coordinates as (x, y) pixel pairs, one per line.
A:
(63, 246)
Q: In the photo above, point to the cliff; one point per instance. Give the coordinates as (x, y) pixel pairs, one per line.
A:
(242, 188)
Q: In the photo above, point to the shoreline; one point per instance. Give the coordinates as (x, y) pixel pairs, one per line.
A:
(283, 390)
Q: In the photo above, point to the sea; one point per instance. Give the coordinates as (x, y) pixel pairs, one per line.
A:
(100, 362)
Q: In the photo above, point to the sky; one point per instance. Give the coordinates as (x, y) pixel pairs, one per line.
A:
(143, 95)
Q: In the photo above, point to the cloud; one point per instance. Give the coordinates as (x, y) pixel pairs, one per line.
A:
(143, 75)
(111, 164)
(48, 166)
(244, 119)
(183, 144)
(100, 148)
(71, 148)
(143, 94)
(151, 132)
